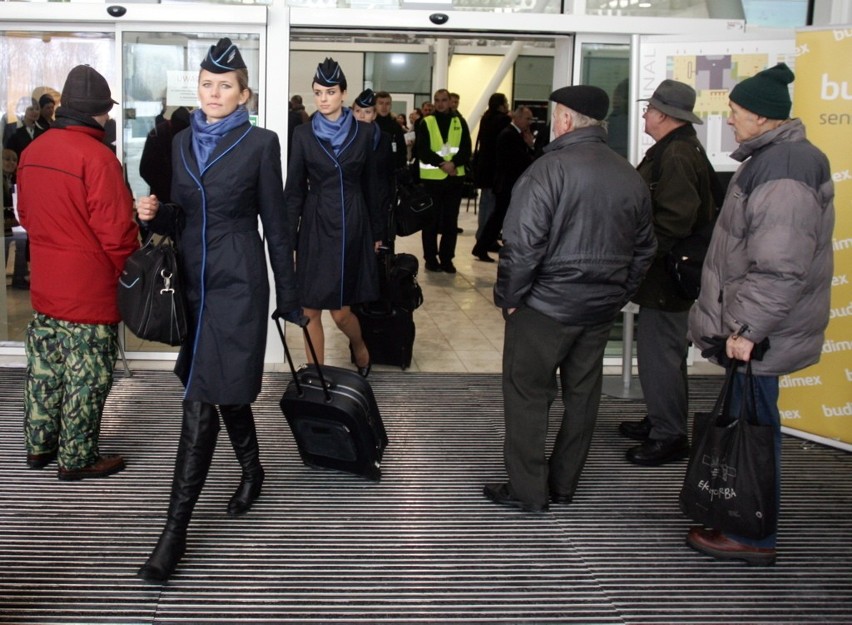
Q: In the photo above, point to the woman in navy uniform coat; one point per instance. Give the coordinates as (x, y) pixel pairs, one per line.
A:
(330, 189)
(226, 173)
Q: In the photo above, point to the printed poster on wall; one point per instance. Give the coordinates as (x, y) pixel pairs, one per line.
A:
(818, 400)
(712, 69)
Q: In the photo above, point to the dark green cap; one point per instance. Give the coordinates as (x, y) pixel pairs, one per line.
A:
(766, 93)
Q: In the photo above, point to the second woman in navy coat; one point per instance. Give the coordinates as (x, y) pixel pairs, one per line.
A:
(330, 185)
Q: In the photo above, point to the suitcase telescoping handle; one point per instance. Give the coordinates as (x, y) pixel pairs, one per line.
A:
(310, 343)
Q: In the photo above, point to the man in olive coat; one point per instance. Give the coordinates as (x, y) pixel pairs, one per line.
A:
(678, 175)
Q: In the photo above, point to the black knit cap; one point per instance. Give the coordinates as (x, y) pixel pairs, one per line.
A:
(585, 99)
(329, 74)
(46, 98)
(223, 57)
(366, 99)
(766, 93)
(87, 92)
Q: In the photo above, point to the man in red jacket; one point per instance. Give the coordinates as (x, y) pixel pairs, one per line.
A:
(78, 214)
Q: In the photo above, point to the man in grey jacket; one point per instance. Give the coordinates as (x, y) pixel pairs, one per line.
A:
(767, 274)
(578, 238)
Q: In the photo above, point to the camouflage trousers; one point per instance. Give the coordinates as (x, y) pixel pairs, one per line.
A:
(69, 375)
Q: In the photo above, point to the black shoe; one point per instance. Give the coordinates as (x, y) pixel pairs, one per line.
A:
(39, 461)
(560, 498)
(21, 285)
(247, 492)
(448, 267)
(432, 265)
(459, 230)
(495, 248)
(365, 371)
(500, 494)
(165, 557)
(653, 453)
(483, 256)
(636, 430)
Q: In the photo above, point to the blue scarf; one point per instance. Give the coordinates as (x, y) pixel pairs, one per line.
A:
(205, 137)
(335, 132)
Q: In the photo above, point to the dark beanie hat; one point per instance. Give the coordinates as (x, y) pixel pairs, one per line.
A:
(46, 99)
(329, 74)
(366, 98)
(766, 93)
(223, 57)
(87, 92)
(585, 99)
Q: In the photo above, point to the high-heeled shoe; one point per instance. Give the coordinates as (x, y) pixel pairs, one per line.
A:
(365, 371)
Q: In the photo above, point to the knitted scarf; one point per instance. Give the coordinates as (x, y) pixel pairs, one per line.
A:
(335, 132)
(205, 137)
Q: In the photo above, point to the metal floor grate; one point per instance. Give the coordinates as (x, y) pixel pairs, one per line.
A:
(421, 546)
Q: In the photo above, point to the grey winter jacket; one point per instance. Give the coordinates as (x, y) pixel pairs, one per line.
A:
(578, 235)
(770, 262)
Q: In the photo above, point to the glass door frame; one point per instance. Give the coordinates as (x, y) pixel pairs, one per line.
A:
(83, 18)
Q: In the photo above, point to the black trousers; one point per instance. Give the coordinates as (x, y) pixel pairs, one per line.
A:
(494, 224)
(446, 198)
(535, 347)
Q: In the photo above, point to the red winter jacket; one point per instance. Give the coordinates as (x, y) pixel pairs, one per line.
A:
(78, 215)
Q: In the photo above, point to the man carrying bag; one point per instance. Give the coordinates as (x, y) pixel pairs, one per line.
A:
(768, 270)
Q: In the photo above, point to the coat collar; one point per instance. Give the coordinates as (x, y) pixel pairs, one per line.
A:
(792, 130)
(223, 146)
(589, 134)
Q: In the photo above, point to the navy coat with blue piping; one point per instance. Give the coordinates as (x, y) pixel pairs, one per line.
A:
(222, 257)
(334, 200)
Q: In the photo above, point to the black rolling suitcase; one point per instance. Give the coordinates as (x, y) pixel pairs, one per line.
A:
(388, 324)
(334, 417)
(388, 331)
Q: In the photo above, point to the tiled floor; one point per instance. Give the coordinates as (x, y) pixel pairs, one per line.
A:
(458, 328)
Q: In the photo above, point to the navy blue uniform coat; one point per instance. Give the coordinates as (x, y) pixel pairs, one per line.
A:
(332, 197)
(222, 257)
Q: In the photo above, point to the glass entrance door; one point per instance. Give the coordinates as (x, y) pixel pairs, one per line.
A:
(34, 65)
(150, 58)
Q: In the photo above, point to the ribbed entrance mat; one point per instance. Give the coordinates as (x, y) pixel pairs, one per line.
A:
(421, 546)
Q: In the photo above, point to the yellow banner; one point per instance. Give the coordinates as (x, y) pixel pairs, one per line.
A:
(818, 400)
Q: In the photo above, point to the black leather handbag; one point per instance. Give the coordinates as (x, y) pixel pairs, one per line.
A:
(150, 300)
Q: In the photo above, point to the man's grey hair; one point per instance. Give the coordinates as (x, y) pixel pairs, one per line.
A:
(584, 121)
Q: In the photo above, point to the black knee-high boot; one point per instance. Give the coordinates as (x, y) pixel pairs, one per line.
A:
(239, 422)
(195, 453)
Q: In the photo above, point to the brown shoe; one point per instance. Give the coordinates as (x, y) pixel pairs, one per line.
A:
(714, 543)
(103, 466)
(39, 461)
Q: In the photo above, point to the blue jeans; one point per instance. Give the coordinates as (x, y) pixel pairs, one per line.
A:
(766, 398)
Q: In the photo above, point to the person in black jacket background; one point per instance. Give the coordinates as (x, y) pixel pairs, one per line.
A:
(155, 166)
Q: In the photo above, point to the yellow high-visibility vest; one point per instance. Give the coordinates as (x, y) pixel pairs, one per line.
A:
(437, 145)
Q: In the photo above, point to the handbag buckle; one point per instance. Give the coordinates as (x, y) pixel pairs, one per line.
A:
(167, 282)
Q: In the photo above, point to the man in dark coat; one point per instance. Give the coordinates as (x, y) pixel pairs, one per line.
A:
(155, 167)
(28, 131)
(683, 203)
(513, 153)
(577, 241)
(385, 120)
(493, 121)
